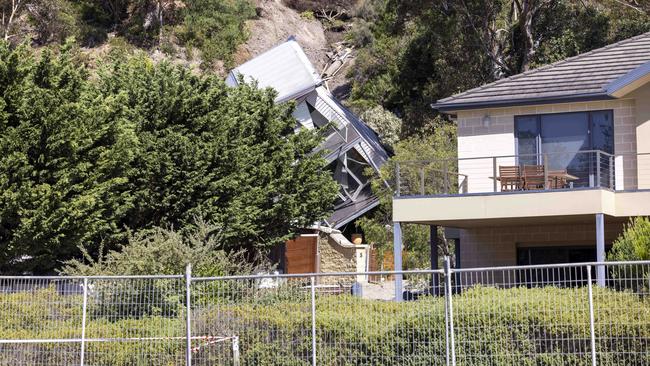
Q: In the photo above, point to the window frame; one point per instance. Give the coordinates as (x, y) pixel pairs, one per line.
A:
(538, 138)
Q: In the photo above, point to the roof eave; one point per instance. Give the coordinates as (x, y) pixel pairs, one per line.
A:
(629, 82)
(449, 107)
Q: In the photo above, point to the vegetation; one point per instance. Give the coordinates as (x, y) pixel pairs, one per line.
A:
(634, 243)
(412, 154)
(166, 252)
(86, 159)
(537, 326)
(215, 27)
(413, 53)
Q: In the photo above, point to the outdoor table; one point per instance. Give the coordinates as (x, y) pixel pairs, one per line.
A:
(555, 175)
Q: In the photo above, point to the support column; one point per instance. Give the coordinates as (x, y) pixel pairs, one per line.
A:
(433, 258)
(433, 246)
(397, 256)
(600, 248)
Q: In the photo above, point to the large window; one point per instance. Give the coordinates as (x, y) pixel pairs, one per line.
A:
(558, 276)
(566, 139)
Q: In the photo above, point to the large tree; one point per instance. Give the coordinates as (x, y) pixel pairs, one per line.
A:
(417, 52)
(84, 158)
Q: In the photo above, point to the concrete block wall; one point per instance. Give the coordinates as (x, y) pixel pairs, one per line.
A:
(476, 139)
(497, 246)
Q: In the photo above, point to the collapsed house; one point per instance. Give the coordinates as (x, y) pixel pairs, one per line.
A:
(350, 148)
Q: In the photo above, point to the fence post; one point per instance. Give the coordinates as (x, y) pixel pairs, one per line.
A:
(445, 171)
(398, 179)
(592, 328)
(422, 180)
(494, 173)
(611, 172)
(313, 321)
(546, 185)
(188, 316)
(450, 310)
(235, 351)
(82, 357)
(446, 326)
(598, 177)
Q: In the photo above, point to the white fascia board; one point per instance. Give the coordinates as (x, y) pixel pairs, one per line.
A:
(629, 82)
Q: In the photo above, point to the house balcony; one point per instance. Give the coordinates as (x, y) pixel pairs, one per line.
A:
(564, 187)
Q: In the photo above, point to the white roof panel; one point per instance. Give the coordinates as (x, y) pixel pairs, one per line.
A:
(284, 68)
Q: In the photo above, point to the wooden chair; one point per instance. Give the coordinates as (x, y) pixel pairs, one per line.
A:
(534, 177)
(510, 178)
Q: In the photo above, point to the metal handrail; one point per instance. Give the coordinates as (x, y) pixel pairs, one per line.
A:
(599, 172)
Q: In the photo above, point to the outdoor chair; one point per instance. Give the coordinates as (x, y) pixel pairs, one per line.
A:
(534, 177)
(510, 178)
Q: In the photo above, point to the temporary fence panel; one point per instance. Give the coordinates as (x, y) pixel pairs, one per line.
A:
(534, 315)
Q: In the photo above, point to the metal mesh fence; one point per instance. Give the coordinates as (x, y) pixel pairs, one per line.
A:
(577, 314)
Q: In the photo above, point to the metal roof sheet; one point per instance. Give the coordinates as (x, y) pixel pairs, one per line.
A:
(284, 68)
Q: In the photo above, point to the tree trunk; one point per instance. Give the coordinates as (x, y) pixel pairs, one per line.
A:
(160, 7)
(526, 25)
(15, 5)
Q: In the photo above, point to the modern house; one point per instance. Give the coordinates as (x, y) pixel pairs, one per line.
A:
(350, 147)
(551, 163)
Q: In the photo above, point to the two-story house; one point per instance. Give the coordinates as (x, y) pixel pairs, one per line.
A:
(551, 163)
(350, 147)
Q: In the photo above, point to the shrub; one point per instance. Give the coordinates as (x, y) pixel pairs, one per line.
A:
(167, 252)
(634, 243)
(216, 27)
(518, 326)
(387, 125)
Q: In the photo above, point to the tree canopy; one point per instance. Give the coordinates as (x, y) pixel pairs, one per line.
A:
(413, 53)
(85, 157)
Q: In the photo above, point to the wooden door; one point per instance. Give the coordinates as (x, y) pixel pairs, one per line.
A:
(300, 255)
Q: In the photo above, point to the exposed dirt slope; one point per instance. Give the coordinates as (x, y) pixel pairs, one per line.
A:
(275, 24)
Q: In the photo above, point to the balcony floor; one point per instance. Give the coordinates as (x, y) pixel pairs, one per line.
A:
(527, 207)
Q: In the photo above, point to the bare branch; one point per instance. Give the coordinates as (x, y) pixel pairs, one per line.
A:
(635, 7)
(489, 42)
(15, 7)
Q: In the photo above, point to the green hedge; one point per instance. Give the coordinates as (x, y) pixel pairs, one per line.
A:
(541, 326)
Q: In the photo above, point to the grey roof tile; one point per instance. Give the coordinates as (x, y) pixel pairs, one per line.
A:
(587, 74)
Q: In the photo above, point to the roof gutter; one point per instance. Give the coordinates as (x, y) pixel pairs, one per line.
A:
(447, 107)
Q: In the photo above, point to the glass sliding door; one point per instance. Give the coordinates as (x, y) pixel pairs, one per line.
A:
(568, 140)
(527, 132)
(602, 138)
(563, 137)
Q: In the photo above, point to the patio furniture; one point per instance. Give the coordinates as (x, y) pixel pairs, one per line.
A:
(534, 177)
(560, 178)
(510, 178)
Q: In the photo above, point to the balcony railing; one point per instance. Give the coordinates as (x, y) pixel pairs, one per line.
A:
(524, 172)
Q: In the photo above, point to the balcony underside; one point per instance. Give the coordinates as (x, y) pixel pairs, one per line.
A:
(506, 209)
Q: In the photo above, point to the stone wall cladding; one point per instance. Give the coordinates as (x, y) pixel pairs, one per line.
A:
(470, 124)
(497, 246)
(335, 258)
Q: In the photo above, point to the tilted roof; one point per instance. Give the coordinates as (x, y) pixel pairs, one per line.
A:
(594, 75)
(285, 68)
